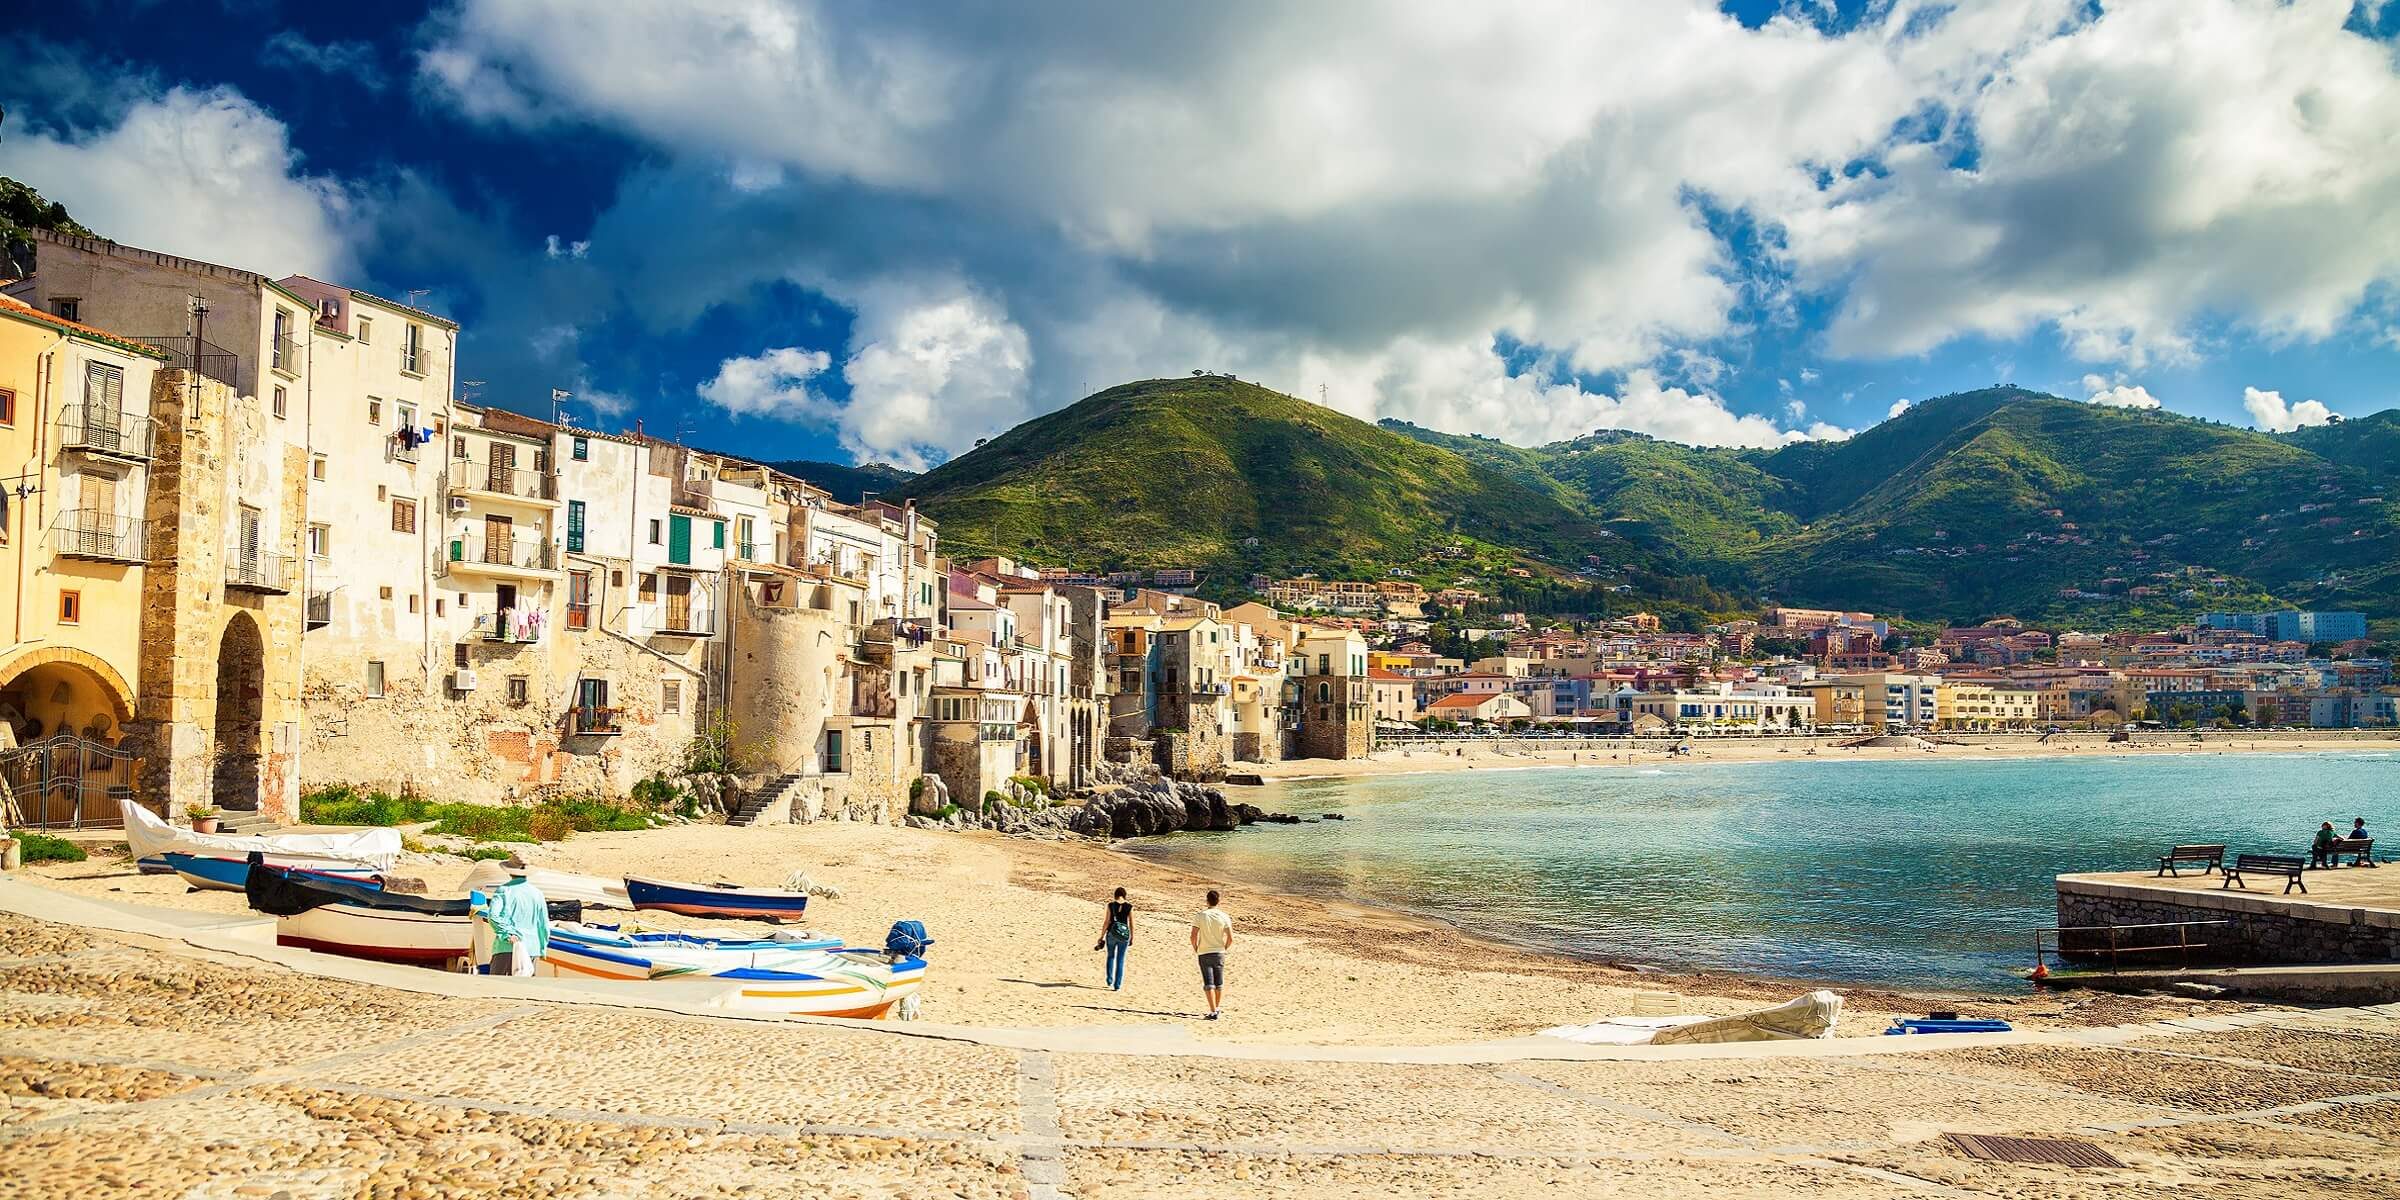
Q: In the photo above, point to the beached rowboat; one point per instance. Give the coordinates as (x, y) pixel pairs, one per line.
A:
(317, 913)
(151, 839)
(715, 900)
(211, 873)
(811, 977)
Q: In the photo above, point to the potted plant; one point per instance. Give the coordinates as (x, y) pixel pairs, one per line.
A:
(203, 816)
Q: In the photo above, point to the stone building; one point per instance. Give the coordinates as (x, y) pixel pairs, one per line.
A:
(1334, 700)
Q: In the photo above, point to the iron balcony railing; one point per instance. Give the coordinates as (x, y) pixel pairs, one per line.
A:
(285, 352)
(746, 551)
(261, 572)
(320, 610)
(522, 553)
(200, 357)
(101, 536)
(593, 719)
(104, 431)
(506, 625)
(416, 359)
(524, 483)
(404, 448)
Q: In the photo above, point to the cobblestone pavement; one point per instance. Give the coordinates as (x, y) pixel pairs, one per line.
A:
(127, 1070)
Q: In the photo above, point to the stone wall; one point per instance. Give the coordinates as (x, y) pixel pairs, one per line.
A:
(786, 673)
(2264, 928)
(228, 737)
(1340, 726)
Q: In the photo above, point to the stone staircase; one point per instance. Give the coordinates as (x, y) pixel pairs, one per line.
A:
(757, 801)
(245, 821)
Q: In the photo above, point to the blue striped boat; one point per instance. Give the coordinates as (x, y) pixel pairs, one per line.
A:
(214, 874)
(715, 900)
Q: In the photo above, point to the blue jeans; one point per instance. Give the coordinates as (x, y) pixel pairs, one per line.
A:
(1116, 962)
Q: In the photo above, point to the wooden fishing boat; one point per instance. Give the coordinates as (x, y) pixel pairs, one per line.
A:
(151, 839)
(211, 873)
(814, 978)
(338, 917)
(715, 900)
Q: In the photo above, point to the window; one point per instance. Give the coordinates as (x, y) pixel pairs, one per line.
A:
(70, 607)
(654, 531)
(670, 697)
(103, 390)
(519, 689)
(383, 593)
(404, 516)
(374, 680)
(717, 534)
(458, 655)
(833, 751)
(414, 601)
(574, 526)
(8, 407)
(438, 606)
(66, 308)
(458, 446)
(316, 466)
(366, 331)
(404, 416)
(374, 411)
(583, 449)
(412, 348)
(285, 353)
(282, 402)
(320, 540)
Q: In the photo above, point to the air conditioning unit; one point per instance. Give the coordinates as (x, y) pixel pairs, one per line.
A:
(458, 504)
(462, 681)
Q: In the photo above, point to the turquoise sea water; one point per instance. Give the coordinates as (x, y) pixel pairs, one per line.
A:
(1930, 873)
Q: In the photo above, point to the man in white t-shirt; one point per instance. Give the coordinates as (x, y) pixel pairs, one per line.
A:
(1212, 936)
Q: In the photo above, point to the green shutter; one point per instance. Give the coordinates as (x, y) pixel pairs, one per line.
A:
(574, 526)
(679, 539)
(717, 532)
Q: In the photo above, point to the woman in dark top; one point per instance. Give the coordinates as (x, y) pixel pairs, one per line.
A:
(1116, 934)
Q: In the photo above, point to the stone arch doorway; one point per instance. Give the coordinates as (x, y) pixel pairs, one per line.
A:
(241, 715)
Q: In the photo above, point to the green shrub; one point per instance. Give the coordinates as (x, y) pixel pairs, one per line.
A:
(945, 812)
(1032, 783)
(660, 795)
(42, 847)
(548, 821)
(485, 822)
(549, 824)
(993, 799)
(493, 853)
(344, 805)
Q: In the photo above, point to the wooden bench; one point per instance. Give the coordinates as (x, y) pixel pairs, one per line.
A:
(2211, 858)
(2362, 848)
(2287, 865)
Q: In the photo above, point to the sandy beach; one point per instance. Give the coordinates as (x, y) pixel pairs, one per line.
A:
(1487, 754)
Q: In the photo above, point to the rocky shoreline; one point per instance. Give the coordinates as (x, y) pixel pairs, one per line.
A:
(1130, 805)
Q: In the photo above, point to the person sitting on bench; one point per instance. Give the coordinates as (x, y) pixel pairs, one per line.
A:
(2320, 851)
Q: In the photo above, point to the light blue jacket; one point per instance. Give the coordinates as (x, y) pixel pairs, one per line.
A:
(520, 916)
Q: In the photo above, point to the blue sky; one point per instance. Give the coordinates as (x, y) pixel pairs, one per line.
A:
(881, 232)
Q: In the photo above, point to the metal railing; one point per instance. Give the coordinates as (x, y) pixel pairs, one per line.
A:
(589, 719)
(524, 483)
(66, 782)
(417, 359)
(319, 611)
(521, 553)
(2054, 940)
(101, 536)
(1211, 689)
(261, 572)
(203, 358)
(403, 449)
(746, 551)
(284, 354)
(104, 431)
(504, 626)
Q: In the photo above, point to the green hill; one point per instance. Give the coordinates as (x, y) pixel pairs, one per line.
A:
(847, 483)
(1216, 473)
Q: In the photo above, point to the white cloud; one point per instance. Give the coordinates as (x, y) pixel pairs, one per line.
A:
(554, 247)
(352, 63)
(2149, 167)
(932, 367)
(2274, 416)
(1898, 407)
(777, 384)
(2116, 393)
(1795, 410)
(205, 174)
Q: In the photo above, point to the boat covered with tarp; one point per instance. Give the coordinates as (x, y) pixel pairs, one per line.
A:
(152, 838)
(1809, 1016)
(317, 913)
(214, 873)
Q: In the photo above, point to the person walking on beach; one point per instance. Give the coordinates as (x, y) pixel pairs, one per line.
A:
(1212, 936)
(1116, 936)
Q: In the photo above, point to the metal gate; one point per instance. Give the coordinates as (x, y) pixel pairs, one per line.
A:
(66, 782)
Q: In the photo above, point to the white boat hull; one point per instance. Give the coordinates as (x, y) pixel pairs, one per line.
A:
(390, 935)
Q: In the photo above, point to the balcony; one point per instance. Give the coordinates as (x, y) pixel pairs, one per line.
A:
(320, 611)
(206, 359)
(472, 553)
(519, 626)
(592, 720)
(504, 482)
(284, 354)
(1211, 689)
(99, 536)
(695, 492)
(270, 574)
(105, 431)
(405, 448)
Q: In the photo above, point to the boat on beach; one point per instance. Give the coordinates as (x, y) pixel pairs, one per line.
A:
(803, 977)
(715, 899)
(214, 873)
(151, 839)
(338, 917)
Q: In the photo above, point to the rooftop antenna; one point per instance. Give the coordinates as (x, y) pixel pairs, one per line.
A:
(413, 293)
(558, 399)
(469, 389)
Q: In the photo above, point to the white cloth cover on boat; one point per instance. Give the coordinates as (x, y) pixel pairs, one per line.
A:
(1809, 1016)
(591, 889)
(148, 836)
